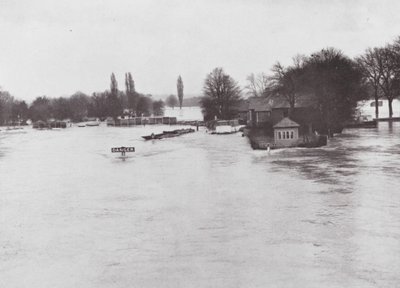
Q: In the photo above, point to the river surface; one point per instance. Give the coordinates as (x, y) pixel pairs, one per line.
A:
(198, 210)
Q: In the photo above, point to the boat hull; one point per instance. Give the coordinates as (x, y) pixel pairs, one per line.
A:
(168, 134)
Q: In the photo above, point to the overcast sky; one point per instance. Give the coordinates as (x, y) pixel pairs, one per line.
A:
(56, 48)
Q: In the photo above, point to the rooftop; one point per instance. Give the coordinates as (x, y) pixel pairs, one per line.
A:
(276, 102)
(260, 104)
(286, 123)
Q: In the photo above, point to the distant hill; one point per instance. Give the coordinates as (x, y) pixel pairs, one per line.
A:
(191, 102)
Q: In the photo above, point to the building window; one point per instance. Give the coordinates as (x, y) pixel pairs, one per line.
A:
(291, 134)
(279, 135)
(287, 134)
(283, 135)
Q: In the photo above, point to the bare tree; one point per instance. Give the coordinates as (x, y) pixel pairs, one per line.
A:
(389, 64)
(287, 81)
(370, 67)
(221, 94)
(257, 84)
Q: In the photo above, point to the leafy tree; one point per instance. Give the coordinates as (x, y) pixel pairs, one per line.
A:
(98, 105)
(172, 101)
(61, 108)
(40, 109)
(114, 107)
(6, 104)
(130, 91)
(113, 85)
(336, 83)
(221, 94)
(179, 86)
(158, 108)
(79, 105)
(113, 100)
(20, 111)
(144, 105)
(209, 108)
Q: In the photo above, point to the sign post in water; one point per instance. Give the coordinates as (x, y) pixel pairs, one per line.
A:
(122, 150)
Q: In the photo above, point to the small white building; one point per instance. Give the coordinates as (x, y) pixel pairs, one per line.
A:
(286, 133)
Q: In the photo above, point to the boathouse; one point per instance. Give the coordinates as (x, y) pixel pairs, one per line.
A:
(259, 111)
(286, 133)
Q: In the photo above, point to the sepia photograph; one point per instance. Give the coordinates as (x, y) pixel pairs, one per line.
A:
(195, 144)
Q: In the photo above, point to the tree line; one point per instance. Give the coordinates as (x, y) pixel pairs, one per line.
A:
(332, 82)
(381, 72)
(327, 80)
(110, 103)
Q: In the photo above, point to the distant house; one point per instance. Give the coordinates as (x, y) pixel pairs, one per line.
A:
(267, 112)
(286, 133)
(259, 111)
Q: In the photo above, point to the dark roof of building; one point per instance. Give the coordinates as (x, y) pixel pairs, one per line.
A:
(278, 102)
(259, 104)
(286, 123)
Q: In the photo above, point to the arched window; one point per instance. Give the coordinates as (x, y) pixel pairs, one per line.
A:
(287, 134)
(283, 134)
(291, 134)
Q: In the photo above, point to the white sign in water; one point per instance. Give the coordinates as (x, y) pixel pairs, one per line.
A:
(123, 149)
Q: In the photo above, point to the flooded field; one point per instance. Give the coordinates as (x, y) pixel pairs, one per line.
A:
(198, 210)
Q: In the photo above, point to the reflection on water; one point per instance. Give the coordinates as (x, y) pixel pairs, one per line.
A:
(198, 211)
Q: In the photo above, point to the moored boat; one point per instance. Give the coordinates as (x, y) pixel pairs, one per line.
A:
(168, 134)
(93, 123)
(223, 127)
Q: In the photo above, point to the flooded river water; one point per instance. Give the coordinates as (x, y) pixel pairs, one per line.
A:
(198, 211)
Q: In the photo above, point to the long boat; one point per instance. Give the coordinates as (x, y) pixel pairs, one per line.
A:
(223, 127)
(168, 134)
